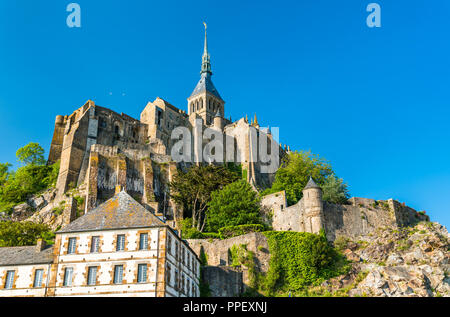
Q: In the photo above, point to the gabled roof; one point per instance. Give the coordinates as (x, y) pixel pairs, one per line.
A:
(25, 255)
(205, 84)
(119, 212)
(311, 184)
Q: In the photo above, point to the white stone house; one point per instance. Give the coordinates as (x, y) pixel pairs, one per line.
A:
(117, 249)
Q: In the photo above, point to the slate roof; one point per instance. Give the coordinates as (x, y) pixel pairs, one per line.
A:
(25, 255)
(311, 184)
(119, 212)
(205, 84)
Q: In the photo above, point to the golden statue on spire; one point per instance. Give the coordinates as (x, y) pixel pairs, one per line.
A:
(205, 25)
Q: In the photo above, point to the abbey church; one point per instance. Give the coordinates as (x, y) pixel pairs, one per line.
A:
(100, 150)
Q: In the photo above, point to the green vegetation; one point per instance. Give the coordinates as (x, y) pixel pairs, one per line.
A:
(28, 180)
(294, 174)
(235, 204)
(193, 189)
(341, 242)
(14, 234)
(188, 232)
(234, 231)
(31, 154)
(299, 260)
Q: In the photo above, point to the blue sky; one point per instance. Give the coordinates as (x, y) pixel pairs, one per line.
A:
(372, 101)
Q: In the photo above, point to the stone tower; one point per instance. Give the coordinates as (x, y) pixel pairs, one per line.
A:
(218, 122)
(205, 100)
(313, 207)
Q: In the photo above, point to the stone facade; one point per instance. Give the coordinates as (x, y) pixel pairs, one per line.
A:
(221, 277)
(119, 249)
(360, 217)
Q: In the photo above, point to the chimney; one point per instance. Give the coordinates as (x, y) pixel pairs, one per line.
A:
(40, 245)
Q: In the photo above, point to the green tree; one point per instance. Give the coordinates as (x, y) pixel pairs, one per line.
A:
(14, 234)
(294, 173)
(31, 154)
(235, 204)
(17, 186)
(192, 189)
(335, 190)
(4, 172)
(26, 181)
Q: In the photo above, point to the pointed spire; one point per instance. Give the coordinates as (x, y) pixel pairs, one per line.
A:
(246, 118)
(256, 121)
(206, 65)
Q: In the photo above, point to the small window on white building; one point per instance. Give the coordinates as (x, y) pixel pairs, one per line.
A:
(95, 244)
(68, 273)
(142, 273)
(92, 275)
(120, 242)
(72, 245)
(9, 279)
(143, 241)
(169, 244)
(38, 274)
(118, 274)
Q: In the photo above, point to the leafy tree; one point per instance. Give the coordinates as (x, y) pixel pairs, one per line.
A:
(26, 181)
(192, 189)
(294, 174)
(4, 172)
(16, 187)
(31, 154)
(335, 190)
(235, 204)
(23, 233)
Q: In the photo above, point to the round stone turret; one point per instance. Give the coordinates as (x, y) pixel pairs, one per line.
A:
(313, 205)
(218, 121)
(59, 120)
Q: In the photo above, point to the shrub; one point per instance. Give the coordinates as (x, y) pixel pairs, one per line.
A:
(235, 204)
(234, 231)
(299, 259)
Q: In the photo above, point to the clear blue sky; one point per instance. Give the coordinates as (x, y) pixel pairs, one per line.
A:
(374, 102)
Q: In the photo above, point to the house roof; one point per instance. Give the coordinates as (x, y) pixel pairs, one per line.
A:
(119, 212)
(25, 255)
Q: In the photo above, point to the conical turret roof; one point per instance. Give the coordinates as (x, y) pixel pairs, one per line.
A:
(311, 184)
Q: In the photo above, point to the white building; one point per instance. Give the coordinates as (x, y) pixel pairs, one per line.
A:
(117, 249)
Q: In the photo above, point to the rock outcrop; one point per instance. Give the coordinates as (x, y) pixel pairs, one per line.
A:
(411, 262)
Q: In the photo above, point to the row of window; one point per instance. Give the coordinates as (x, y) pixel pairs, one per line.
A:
(198, 104)
(187, 258)
(184, 285)
(38, 276)
(117, 277)
(120, 243)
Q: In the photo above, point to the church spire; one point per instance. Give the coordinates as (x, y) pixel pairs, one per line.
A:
(206, 65)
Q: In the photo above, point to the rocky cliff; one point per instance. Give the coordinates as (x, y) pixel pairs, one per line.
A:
(410, 261)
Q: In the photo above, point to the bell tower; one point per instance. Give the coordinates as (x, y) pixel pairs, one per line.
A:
(205, 100)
